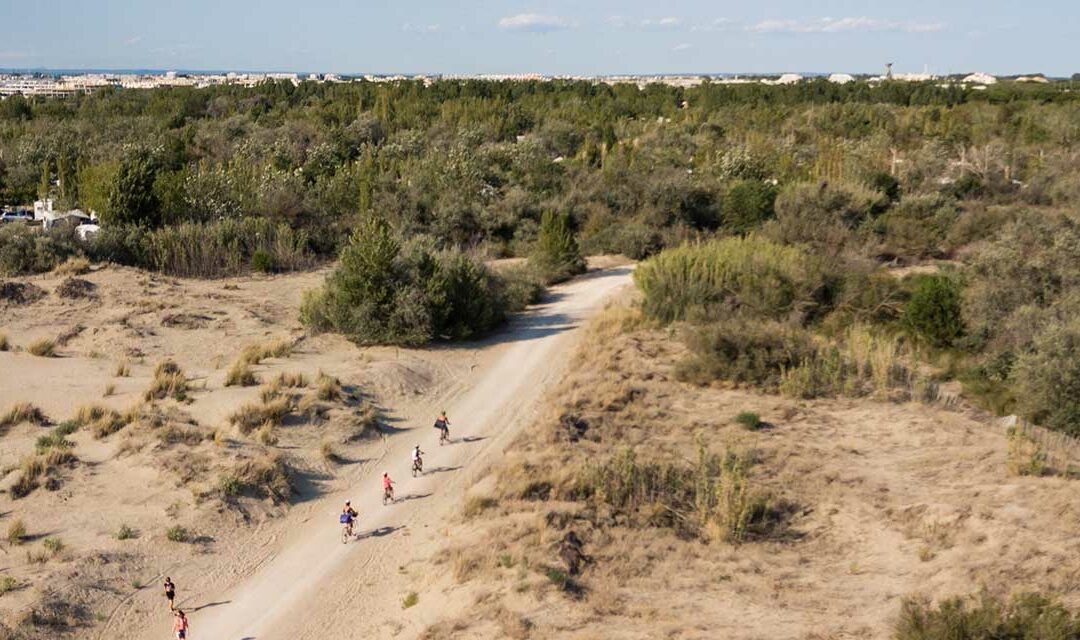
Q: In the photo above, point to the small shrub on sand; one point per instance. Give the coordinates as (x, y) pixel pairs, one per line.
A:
(36, 466)
(476, 505)
(176, 533)
(53, 545)
(123, 369)
(328, 388)
(749, 420)
(252, 416)
(54, 440)
(256, 353)
(110, 389)
(169, 381)
(266, 476)
(312, 409)
(1025, 456)
(410, 600)
(22, 412)
(125, 533)
(73, 266)
(16, 531)
(240, 375)
(88, 413)
(328, 453)
(7, 584)
(266, 434)
(5, 344)
(1027, 615)
(293, 380)
(42, 347)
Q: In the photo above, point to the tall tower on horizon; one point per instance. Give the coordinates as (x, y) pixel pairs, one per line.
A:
(888, 71)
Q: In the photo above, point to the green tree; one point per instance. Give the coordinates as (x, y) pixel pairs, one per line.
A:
(557, 255)
(933, 311)
(131, 198)
(747, 204)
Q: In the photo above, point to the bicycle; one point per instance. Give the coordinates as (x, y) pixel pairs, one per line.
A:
(388, 495)
(444, 436)
(346, 532)
(417, 467)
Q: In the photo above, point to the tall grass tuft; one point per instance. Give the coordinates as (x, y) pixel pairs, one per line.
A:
(719, 277)
(42, 347)
(22, 412)
(224, 248)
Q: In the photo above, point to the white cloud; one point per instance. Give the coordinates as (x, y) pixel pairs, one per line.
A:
(839, 25)
(421, 28)
(719, 24)
(683, 46)
(667, 23)
(535, 22)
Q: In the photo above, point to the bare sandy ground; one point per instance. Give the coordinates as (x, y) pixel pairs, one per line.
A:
(257, 569)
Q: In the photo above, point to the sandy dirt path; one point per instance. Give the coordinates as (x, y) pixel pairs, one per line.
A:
(317, 587)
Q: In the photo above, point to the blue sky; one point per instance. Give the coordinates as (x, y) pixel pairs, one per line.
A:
(572, 37)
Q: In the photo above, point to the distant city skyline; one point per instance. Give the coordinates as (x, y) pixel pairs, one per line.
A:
(556, 38)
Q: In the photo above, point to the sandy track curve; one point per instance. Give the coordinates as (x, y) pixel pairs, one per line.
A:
(316, 587)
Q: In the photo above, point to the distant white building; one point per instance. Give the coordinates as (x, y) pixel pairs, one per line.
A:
(980, 78)
(841, 78)
(50, 217)
(789, 78)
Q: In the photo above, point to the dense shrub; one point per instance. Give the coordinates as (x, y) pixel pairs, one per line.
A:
(383, 293)
(26, 250)
(825, 215)
(734, 275)
(1047, 377)
(1027, 616)
(748, 352)
(225, 248)
(747, 204)
(556, 255)
(933, 312)
(917, 227)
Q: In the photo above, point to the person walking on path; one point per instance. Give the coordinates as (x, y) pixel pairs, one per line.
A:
(180, 625)
(170, 592)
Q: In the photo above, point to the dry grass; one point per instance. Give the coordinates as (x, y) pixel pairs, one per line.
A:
(5, 344)
(34, 467)
(122, 369)
(16, 531)
(253, 416)
(327, 388)
(256, 353)
(22, 412)
(110, 389)
(240, 375)
(328, 453)
(268, 476)
(74, 266)
(169, 381)
(266, 435)
(42, 347)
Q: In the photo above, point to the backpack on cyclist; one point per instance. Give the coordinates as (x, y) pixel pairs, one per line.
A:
(344, 518)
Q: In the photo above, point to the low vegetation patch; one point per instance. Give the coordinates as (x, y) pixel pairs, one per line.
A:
(42, 347)
(76, 288)
(73, 266)
(240, 375)
(45, 465)
(169, 382)
(749, 420)
(22, 412)
(176, 533)
(256, 353)
(252, 416)
(1027, 616)
(16, 531)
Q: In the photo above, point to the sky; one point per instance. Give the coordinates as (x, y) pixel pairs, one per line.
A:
(582, 37)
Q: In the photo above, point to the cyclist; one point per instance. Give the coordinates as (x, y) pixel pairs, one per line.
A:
(417, 460)
(442, 423)
(348, 517)
(387, 488)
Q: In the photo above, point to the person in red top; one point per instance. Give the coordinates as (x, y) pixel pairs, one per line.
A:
(180, 625)
(387, 488)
